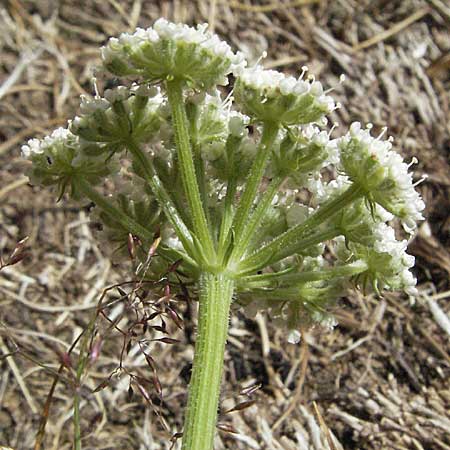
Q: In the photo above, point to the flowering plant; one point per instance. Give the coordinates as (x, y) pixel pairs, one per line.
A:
(187, 165)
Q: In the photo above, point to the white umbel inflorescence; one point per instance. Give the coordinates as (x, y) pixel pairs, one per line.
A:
(169, 122)
(38, 146)
(200, 35)
(173, 50)
(273, 83)
(382, 172)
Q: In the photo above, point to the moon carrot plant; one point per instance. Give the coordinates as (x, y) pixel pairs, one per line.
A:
(255, 202)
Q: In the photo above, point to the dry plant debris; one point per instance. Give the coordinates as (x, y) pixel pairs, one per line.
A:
(379, 381)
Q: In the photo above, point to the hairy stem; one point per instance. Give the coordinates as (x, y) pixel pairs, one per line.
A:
(254, 178)
(216, 291)
(187, 168)
(243, 240)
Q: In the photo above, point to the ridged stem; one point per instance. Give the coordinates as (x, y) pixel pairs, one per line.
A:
(244, 208)
(216, 291)
(187, 167)
(251, 227)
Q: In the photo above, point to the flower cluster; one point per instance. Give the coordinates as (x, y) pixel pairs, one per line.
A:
(106, 124)
(173, 51)
(271, 96)
(221, 136)
(304, 304)
(209, 116)
(382, 173)
(250, 174)
(302, 151)
(58, 161)
(366, 236)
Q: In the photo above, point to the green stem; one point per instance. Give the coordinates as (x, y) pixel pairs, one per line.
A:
(254, 178)
(231, 148)
(248, 265)
(216, 291)
(76, 422)
(242, 242)
(199, 166)
(268, 279)
(162, 196)
(287, 244)
(187, 168)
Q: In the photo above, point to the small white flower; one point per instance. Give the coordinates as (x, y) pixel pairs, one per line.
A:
(287, 85)
(118, 94)
(334, 187)
(91, 105)
(294, 336)
(316, 186)
(409, 282)
(385, 241)
(31, 148)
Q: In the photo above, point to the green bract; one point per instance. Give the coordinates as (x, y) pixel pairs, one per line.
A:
(227, 200)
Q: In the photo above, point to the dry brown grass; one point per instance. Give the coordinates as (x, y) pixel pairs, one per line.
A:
(379, 381)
